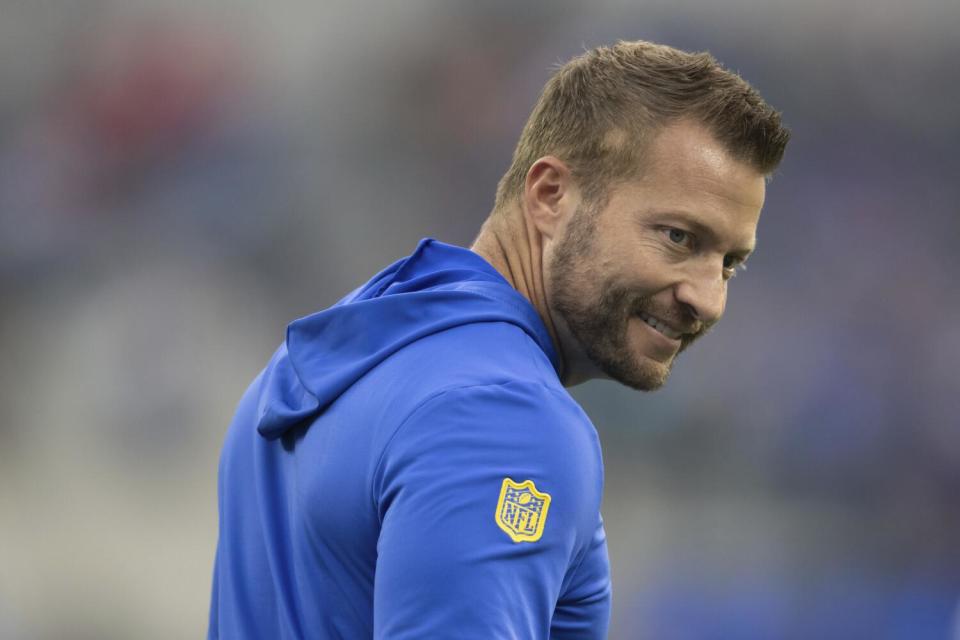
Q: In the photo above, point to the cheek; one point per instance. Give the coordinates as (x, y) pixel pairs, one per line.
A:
(650, 266)
(650, 281)
(573, 285)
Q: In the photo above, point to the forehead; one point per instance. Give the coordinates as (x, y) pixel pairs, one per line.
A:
(687, 171)
(685, 159)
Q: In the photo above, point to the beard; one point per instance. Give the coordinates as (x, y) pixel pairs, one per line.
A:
(600, 323)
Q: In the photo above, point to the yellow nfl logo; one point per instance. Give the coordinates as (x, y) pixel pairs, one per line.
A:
(522, 510)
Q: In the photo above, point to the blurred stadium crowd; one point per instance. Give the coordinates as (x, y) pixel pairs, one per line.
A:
(180, 180)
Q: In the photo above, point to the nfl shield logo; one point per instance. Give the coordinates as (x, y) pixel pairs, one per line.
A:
(522, 510)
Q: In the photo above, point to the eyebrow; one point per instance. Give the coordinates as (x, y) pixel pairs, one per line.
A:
(701, 229)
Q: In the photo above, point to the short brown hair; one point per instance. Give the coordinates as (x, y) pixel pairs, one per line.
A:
(597, 112)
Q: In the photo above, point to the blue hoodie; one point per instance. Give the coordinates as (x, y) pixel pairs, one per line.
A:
(408, 465)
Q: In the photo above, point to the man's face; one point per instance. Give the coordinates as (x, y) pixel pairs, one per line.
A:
(660, 252)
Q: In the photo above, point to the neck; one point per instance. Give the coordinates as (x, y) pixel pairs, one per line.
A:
(514, 247)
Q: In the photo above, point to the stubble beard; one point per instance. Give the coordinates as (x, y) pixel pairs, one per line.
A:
(600, 325)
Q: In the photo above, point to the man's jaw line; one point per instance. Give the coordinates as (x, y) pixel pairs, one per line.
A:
(577, 365)
(580, 367)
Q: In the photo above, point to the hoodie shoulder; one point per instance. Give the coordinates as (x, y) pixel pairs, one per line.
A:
(482, 353)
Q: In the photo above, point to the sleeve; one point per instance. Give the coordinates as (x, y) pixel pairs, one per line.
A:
(485, 495)
(583, 612)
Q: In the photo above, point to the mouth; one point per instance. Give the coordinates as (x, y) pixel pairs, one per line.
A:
(660, 326)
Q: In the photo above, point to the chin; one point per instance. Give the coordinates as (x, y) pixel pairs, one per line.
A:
(641, 374)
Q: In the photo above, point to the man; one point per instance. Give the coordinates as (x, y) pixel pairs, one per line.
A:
(409, 464)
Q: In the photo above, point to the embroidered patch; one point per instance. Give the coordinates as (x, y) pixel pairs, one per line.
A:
(522, 510)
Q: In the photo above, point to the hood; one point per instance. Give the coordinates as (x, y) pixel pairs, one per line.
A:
(437, 287)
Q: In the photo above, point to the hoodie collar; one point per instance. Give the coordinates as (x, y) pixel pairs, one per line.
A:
(437, 287)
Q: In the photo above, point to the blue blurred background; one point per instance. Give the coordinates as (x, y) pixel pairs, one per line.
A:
(178, 180)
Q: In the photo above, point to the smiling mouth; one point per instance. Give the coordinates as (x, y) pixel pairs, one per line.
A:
(660, 326)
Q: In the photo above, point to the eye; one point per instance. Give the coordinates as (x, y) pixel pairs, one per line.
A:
(679, 236)
(731, 264)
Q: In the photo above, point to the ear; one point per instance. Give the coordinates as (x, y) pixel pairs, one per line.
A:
(549, 195)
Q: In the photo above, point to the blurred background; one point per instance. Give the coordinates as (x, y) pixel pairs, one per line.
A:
(179, 180)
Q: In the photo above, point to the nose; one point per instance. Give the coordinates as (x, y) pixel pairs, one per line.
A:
(703, 295)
